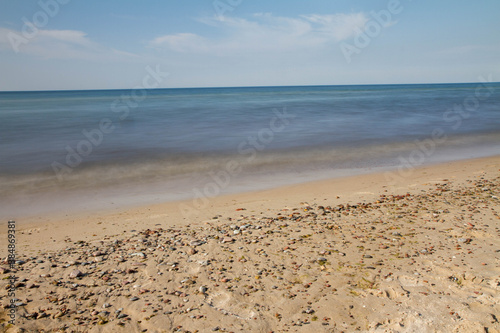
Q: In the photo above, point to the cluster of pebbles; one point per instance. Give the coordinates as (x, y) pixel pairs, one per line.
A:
(411, 262)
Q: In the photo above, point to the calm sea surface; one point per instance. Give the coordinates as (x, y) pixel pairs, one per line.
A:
(166, 144)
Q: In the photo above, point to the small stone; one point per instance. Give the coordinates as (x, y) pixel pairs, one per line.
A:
(367, 256)
(464, 240)
(42, 315)
(59, 314)
(134, 298)
(196, 243)
(19, 284)
(227, 240)
(188, 282)
(75, 273)
(308, 311)
(191, 251)
(203, 262)
(203, 289)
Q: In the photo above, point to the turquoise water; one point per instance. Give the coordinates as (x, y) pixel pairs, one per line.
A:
(61, 141)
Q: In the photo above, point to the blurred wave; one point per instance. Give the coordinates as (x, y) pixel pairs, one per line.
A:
(195, 167)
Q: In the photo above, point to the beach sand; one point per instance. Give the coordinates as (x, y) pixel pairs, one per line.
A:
(340, 255)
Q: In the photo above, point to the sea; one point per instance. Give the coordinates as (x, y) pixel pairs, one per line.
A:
(63, 151)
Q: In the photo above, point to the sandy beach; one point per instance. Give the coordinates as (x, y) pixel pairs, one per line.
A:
(250, 166)
(341, 255)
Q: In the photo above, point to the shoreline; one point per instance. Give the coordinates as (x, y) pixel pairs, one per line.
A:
(117, 187)
(349, 189)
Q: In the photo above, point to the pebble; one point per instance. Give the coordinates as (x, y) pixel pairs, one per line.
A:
(75, 273)
(464, 240)
(41, 315)
(308, 311)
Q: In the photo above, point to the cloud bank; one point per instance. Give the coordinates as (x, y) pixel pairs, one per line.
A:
(57, 44)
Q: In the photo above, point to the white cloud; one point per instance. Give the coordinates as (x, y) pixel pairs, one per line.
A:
(267, 33)
(338, 26)
(58, 44)
(70, 36)
(261, 33)
(181, 42)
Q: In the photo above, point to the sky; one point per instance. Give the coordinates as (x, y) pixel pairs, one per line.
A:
(116, 44)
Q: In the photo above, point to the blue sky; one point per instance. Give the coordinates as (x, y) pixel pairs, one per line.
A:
(94, 44)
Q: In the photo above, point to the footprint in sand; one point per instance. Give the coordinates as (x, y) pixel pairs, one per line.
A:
(393, 294)
(229, 305)
(390, 293)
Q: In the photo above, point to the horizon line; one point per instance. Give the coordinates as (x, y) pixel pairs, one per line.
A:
(272, 86)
